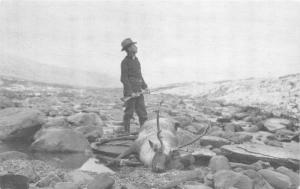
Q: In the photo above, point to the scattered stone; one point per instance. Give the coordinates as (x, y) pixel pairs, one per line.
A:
(92, 166)
(203, 152)
(228, 178)
(276, 179)
(66, 185)
(285, 135)
(258, 181)
(6, 102)
(273, 124)
(85, 119)
(12, 155)
(294, 177)
(102, 181)
(198, 186)
(251, 152)
(19, 123)
(49, 181)
(238, 137)
(79, 177)
(225, 119)
(240, 115)
(60, 140)
(214, 141)
(218, 163)
(11, 181)
(56, 122)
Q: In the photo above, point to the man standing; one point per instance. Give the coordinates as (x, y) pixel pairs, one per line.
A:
(133, 83)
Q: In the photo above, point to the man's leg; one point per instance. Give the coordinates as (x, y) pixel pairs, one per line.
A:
(128, 114)
(141, 110)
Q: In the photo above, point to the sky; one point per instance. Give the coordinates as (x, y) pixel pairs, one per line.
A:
(178, 41)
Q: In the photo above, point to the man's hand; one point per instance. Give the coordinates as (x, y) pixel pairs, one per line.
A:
(135, 94)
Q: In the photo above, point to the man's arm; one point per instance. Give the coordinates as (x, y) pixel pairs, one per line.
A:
(125, 80)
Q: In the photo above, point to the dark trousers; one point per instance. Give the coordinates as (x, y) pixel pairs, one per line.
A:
(135, 105)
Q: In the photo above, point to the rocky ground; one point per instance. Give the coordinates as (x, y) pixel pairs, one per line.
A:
(250, 143)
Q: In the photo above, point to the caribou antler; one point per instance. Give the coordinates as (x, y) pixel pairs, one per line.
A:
(158, 126)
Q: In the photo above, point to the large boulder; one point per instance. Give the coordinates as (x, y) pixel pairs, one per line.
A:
(85, 119)
(214, 141)
(218, 163)
(60, 140)
(14, 181)
(12, 155)
(258, 181)
(252, 152)
(102, 181)
(19, 123)
(295, 178)
(79, 177)
(225, 179)
(276, 179)
(273, 124)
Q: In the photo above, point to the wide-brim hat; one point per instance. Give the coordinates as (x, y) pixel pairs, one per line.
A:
(126, 43)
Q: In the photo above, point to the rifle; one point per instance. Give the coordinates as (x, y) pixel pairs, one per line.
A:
(126, 98)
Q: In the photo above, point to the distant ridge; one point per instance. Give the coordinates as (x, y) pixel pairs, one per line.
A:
(21, 68)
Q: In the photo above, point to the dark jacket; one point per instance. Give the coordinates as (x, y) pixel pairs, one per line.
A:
(131, 76)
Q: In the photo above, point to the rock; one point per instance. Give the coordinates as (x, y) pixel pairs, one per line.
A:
(102, 181)
(227, 178)
(92, 166)
(198, 186)
(224, 119)
(216, 131)
(258, 181)
(79, 177)
(214, 141)
(49, 181)
(19, 123)
(30, 173)
(252, 152)
(276, 179)
(230, 127)
(90, 132)
(261, 137)
(273, 124)
(203, 152)
(12, 155)
(238, 137)
(66, 185)
(85, 119)
(56, 122)
(6, 102)
(285, 135)
(60, 140)
(240, 115)
(11, 181)
(294, 177)
(218, 163)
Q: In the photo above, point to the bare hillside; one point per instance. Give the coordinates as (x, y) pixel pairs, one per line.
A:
(34, 71)
(275, 93)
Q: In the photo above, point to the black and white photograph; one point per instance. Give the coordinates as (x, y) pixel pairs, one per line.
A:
(149, 94)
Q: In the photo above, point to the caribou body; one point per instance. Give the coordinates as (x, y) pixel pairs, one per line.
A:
(155, 146)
